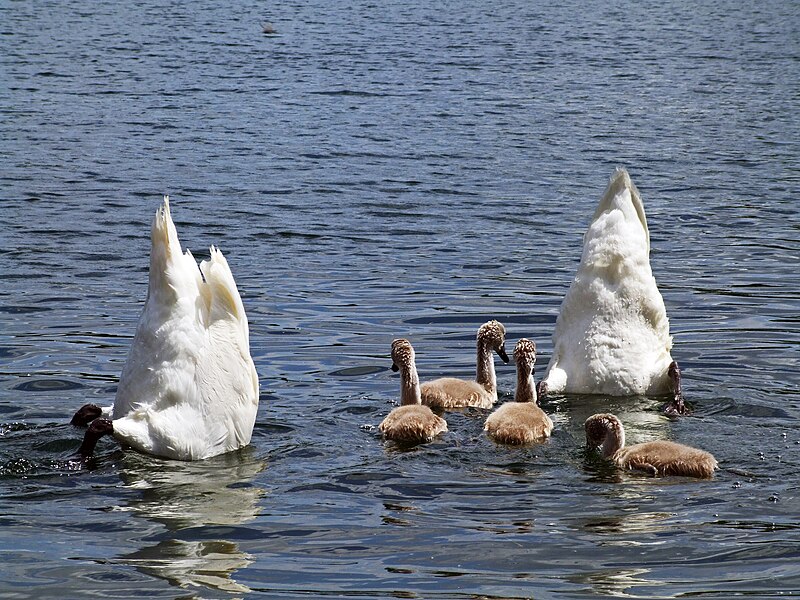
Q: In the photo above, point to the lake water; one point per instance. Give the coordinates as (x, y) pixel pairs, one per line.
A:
(387, 169)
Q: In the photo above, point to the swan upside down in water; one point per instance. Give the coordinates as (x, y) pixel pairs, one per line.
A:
(412, 422)
(612, 332)
(189, 388)
(521, 421)
(449, 392)
(658, 458)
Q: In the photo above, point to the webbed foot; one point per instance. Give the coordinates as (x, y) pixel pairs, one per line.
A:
(86, 414)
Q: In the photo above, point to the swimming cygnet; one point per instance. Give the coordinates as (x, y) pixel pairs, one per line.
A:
(521, 421)
(658, 458)
(411, 422)
(449, 392)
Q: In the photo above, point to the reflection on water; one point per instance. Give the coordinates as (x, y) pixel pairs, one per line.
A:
(194, 500)
(615, 582)
(217, 491)
(629, 522)
(208, 563)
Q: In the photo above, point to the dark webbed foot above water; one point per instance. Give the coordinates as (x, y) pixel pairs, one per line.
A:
(86, 414)
(676, 406)
(97, 429)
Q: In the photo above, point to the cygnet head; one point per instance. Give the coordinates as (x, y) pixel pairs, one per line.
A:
(492, 335)
(604, 430)
(525, 356)
(402, 354)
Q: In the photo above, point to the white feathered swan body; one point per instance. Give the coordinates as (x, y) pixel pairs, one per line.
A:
(189, 389)
(612, 332)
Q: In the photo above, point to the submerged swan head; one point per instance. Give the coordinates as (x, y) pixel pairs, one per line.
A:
(612, 332)
(492, 335)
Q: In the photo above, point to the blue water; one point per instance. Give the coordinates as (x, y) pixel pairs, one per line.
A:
(377, 170)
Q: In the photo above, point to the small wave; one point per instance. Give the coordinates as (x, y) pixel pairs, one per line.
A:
(48, 385)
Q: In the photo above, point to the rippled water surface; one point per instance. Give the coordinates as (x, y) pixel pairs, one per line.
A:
(377, 170)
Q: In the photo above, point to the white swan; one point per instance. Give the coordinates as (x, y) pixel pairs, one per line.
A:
(412, 422)
(189, 389)
(612, 332)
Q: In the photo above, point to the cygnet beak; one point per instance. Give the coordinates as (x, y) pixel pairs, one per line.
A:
(501, 352)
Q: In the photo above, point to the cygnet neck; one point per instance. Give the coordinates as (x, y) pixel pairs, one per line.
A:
(486, 375)
(409, 385)
(526, 390)
(614, 439)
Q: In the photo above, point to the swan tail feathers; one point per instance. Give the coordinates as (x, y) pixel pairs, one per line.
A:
(164, 236)
(171, 271)
(222, 295)
(620, 187)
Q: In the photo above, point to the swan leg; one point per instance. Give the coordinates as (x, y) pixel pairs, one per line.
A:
(676, 406)
(85, 415)
(97, 429)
